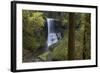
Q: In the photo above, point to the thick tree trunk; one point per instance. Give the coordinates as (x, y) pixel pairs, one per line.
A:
(71, 38)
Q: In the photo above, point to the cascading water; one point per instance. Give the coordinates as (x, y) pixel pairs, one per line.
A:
(52, 36)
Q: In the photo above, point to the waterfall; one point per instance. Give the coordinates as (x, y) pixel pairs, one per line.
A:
(52, 36)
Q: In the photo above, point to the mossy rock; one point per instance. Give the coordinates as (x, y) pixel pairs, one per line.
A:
(60, 52)
(44, 56)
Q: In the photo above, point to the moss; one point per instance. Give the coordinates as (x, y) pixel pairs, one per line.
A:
(44, 56)
(60, 51)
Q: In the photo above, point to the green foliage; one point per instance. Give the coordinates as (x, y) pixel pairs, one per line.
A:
(33, 30)
(37, 19)
(87, 37)
(64, 19)
(83, 35)
(60, 51)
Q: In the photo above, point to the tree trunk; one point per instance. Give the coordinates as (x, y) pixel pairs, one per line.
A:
(71, 37)
(86, 38)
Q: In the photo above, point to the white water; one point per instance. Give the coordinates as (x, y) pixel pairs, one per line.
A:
(52, 37)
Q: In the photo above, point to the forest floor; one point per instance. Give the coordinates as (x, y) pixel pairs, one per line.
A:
(29, 57)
